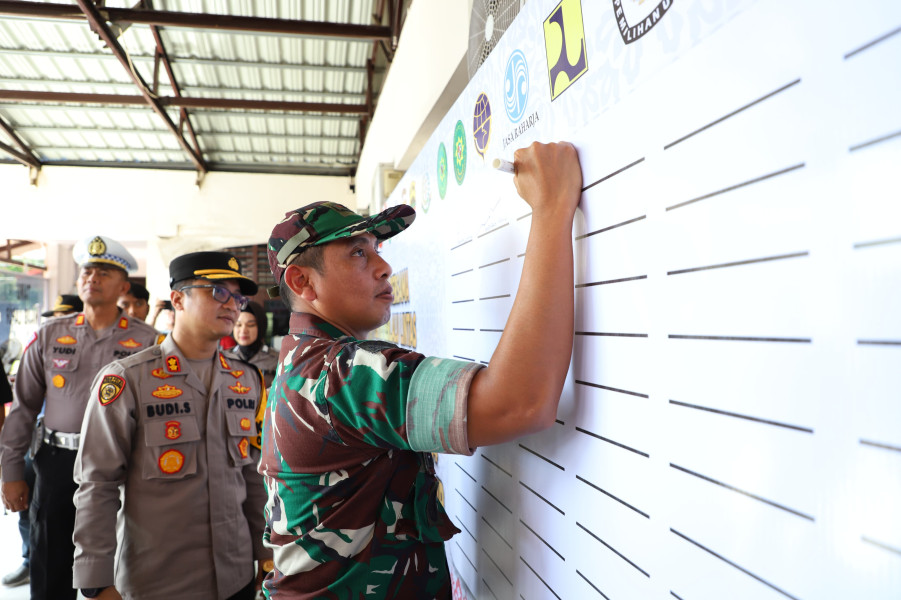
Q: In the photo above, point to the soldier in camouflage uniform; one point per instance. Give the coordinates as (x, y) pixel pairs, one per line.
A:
(353, 508)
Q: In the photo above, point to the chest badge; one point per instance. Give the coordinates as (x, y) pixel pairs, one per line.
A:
(173, 430)
(167, 391)
(130, 343)
(245, 424)
(66, 340)
(237, 374)
(59, 381)
(171, 461)
(238, 388)
(61, 363)
(161, 373)
(111, 387)
(242, 447)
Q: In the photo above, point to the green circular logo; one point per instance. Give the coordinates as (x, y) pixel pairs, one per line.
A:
(442, 170)
(459, 153)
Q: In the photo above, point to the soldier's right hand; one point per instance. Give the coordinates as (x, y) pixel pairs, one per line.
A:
(15, 495)
(549, 178)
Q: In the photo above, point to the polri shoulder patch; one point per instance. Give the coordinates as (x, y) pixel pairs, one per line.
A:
(111, 387)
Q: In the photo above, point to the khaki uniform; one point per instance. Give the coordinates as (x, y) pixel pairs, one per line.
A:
(266, 360)
(192, 519)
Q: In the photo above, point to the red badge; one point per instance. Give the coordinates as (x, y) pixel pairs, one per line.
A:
(161, 373)
(111, 387)
(172, 364)
(245, 424)
(242, 447)
(66, 340)
(167, 391)
(237, 374)
(79, 320)
(130, 343)
(123, 323)
(238, 388)
(171, 461)
(173, 430)
(224, 364)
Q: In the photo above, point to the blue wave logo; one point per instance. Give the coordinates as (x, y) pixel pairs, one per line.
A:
(516, 86)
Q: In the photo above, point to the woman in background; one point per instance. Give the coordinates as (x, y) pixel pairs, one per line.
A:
(250, 334)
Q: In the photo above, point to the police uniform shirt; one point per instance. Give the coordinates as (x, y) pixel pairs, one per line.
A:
(58, 367)
(266, 360)
(192, 519)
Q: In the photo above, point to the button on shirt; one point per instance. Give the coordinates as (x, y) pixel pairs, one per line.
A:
(353, 507)
(58, 367)
(192, 520)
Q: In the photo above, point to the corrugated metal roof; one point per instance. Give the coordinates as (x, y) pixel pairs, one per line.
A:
(43, 52)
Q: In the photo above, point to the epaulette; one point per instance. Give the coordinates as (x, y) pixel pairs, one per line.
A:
(138, 358)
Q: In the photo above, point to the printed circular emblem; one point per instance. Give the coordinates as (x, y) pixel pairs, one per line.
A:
(442, 170)
(481, 124)
(59, 381)
(111, 387)
(173, 430)
(516, 86)
(233, 263)
(459, 153)
(171, 461)
(245, 424)
(96, 247)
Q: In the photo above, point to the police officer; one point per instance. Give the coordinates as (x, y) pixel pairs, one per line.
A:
(136, 301)
(175, 426)
(65, 304)
(57, 369)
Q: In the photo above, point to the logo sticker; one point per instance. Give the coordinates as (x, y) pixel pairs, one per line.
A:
(171, 461)
(233, 263)
(167, 391)
(96, 247)
(172, 364)
(238, 388)
(633, 20)
(161, 373)
(173, 430)
(242, 447)
(481, 124)
(237, 374)
(67, 340)
(61, 363)
(516, 86)
(224, 363)
(111, 387)
(564, 41)
(245, 424)
(459, 153)
(123, 323)
(130, 343)
(59, 381)
(442, 170)
(79, 320)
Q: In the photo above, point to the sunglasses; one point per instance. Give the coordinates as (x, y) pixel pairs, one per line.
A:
(221, 294)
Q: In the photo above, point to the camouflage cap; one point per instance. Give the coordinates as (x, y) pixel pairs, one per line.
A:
(323, 222)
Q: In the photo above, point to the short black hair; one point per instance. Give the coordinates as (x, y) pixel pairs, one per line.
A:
(139, 291)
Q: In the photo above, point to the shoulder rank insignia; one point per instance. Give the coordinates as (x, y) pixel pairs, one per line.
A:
(224, 363)
(123, 323)
(238, 388)
(167, 391)
(160, 338)
(237, 374)
(171, 461)
(111, 387)
(161, 373)
(79, 320)
(173, 430)
(172, 364)
(130, 343)
(67, 340)
(242, 447)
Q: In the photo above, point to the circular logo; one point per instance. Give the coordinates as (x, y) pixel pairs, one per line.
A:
(96, 247)
(442, 170)
(481, 124)
(173, 430)
(516, 86)
(59, 381)
(171, 461)
(245, 424)
(459, 153)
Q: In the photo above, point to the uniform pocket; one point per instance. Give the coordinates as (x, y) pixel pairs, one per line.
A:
(241, 428)
(171, 447)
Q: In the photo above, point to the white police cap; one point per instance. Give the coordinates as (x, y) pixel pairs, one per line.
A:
(99, 249)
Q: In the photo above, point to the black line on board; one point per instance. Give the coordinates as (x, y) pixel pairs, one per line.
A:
(612, 549)
(877, 243)
(461, 272)
(489, 588)
(503, 539)
(736, 338)
(870, 44)
(466, 556)
(465, 500)
(484, 362)
(481, 235)
(605, 334)
(509, 474)
(462, 301)
(732, 114)
(540, 579)
(736, 186)
(495, 297)
(528, 214)
(606, 493)
(588, 581)
(878, 544)
(520, 255)
(493, 330)
(465, 528)
(582, 237)
(497, 262)
(617, 172)
(559, 422)
(741, 416)
(465, 471)
(463, 329)
(549, 503)
(741, 491)
(879, 342)
(873, 142)
(673, 594)
(739, 263)
(609, 441)
(461, 244)
(610, 389)
(496, 499)
(881, 445)
(497, 566)
(554, 550)
(464, 358)
(729, 562)
(544, 458)
(584, 285)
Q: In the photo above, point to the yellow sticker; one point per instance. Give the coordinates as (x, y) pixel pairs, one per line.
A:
(59, 381)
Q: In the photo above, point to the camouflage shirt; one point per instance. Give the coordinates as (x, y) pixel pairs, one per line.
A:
(353, 508)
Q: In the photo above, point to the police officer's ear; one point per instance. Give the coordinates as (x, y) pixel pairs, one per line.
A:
(298, 279)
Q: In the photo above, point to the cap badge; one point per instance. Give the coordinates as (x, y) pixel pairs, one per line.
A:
(171, 461)
(233, 263)
(96, 247)
(59, 300)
